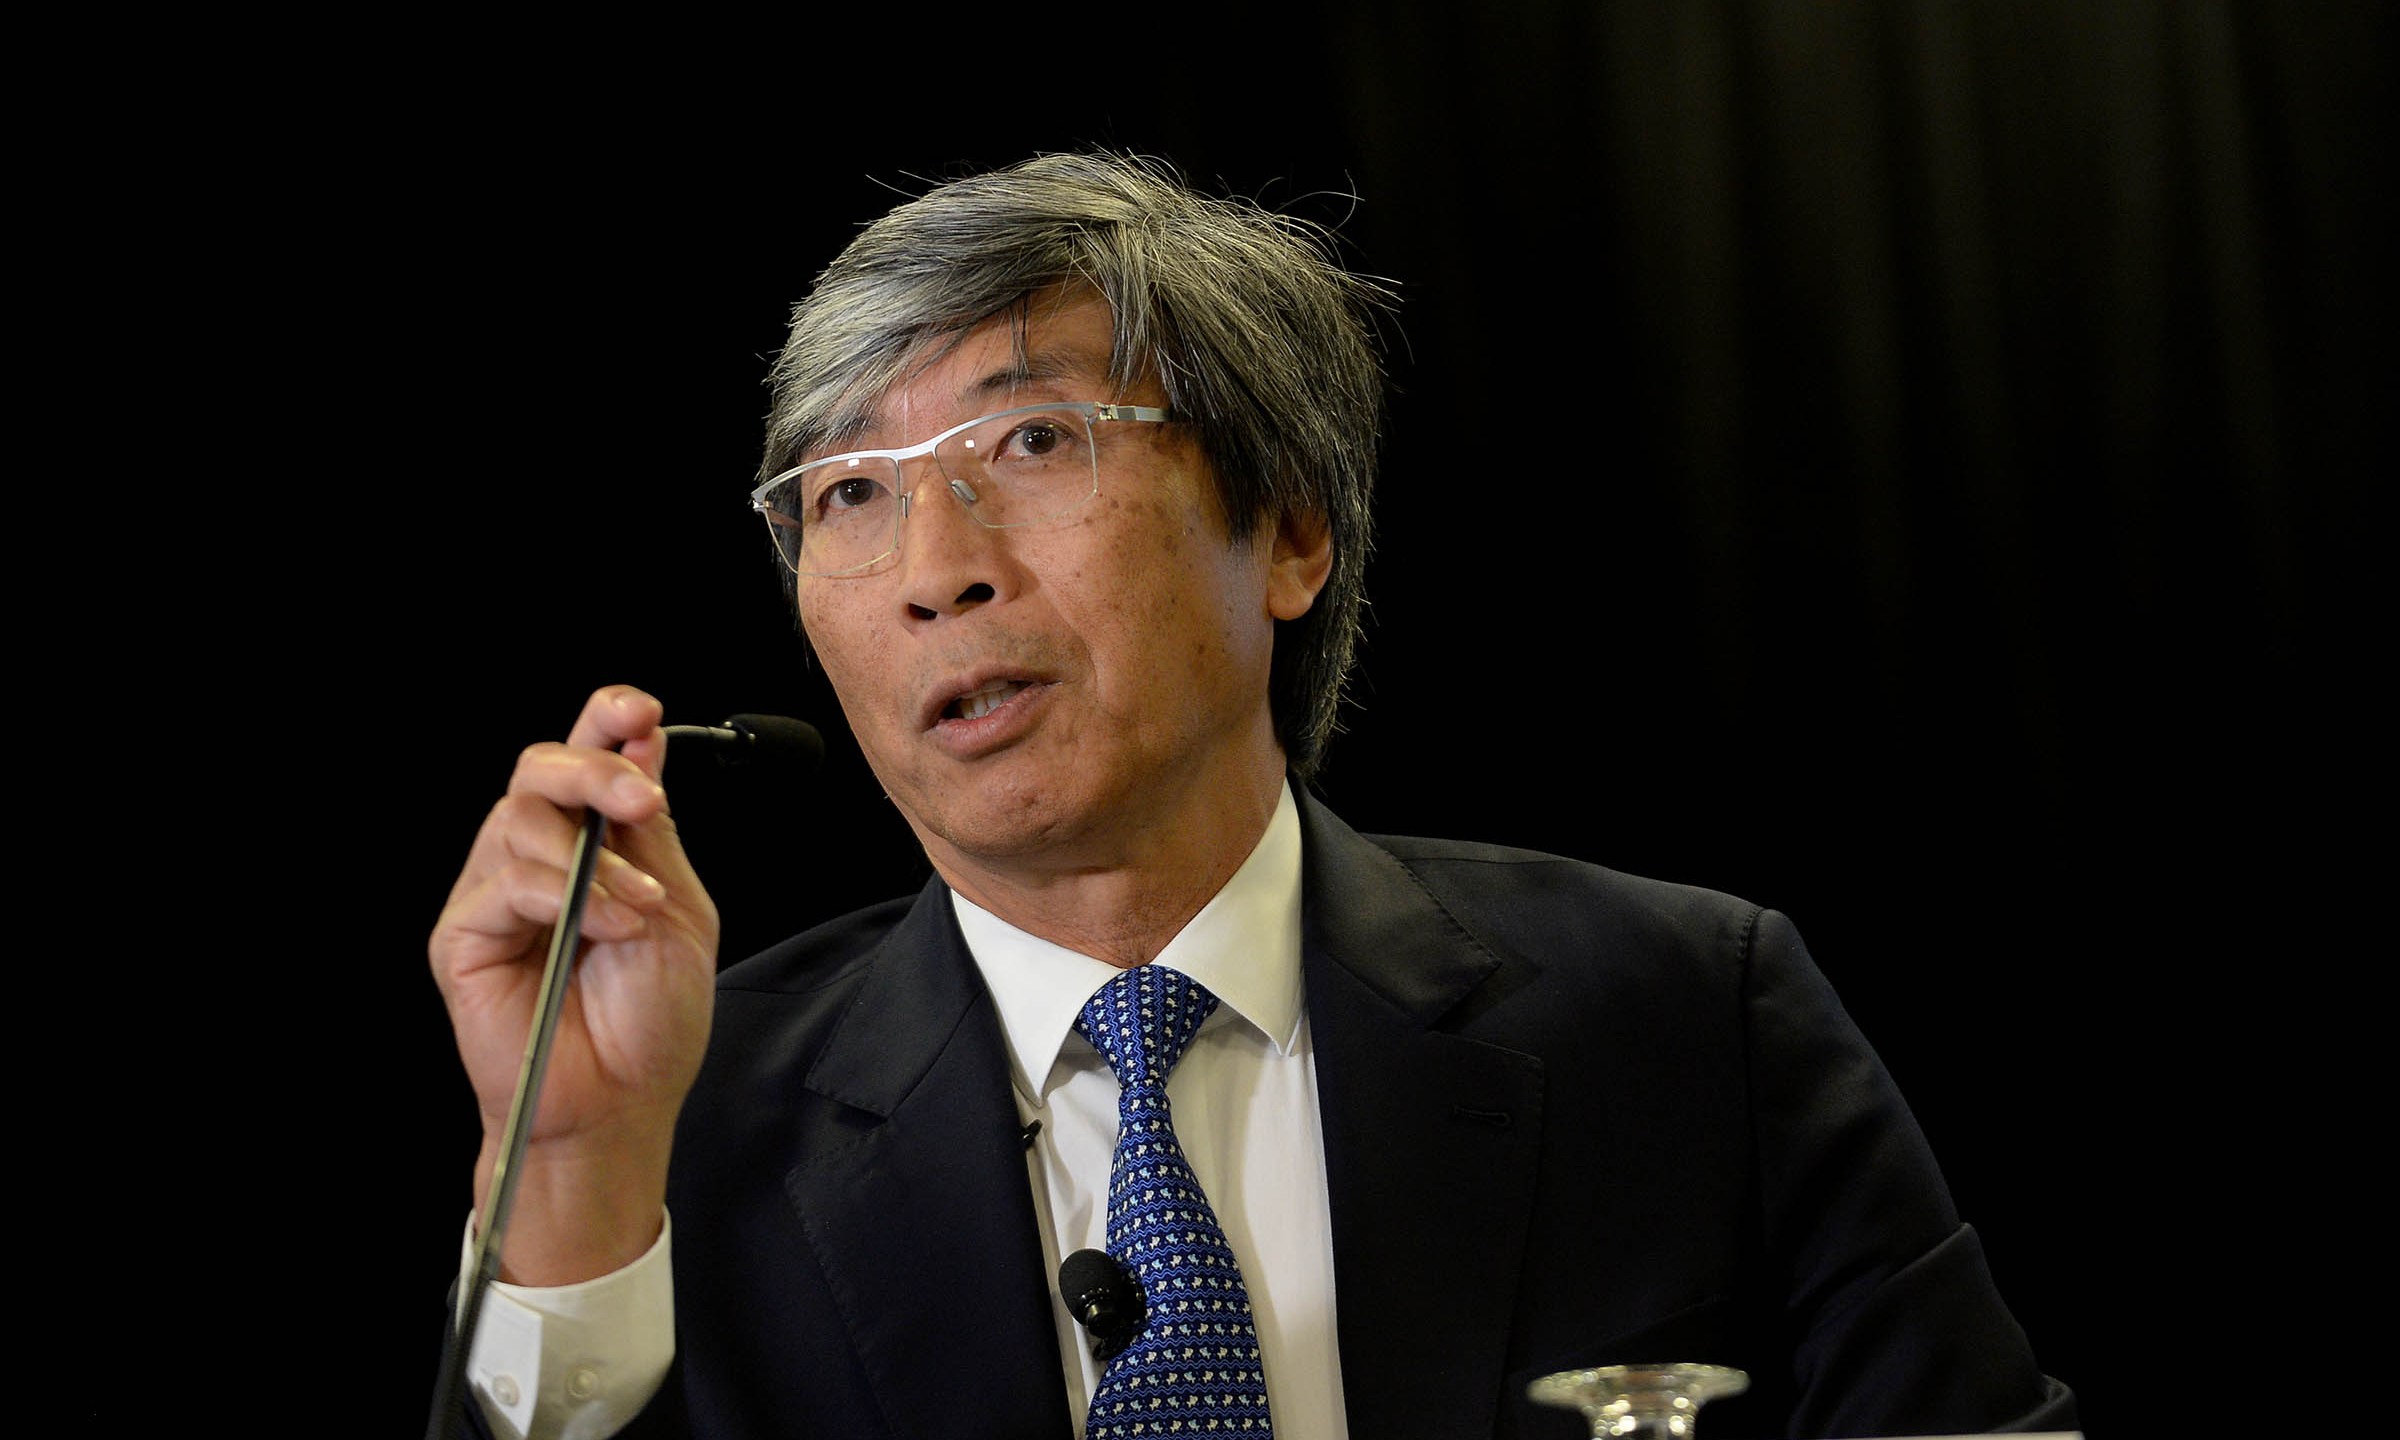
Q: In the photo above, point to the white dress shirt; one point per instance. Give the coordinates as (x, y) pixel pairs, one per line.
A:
(579, 1361)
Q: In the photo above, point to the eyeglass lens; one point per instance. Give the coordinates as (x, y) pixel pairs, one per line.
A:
(1021, 467)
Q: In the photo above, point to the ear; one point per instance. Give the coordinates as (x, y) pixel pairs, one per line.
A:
(1297, 567)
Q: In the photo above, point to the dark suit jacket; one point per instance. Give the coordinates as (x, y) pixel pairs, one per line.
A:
(1571, 1118)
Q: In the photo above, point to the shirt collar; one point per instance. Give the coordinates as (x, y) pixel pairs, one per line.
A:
(1244, 945)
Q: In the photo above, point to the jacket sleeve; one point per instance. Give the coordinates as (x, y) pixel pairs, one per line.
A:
(1896, 1326)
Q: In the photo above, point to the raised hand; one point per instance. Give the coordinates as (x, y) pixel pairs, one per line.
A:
(590, 1189)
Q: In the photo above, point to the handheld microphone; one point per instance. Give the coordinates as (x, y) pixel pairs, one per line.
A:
(765, 741)
(1104, 1298)
(765, 744)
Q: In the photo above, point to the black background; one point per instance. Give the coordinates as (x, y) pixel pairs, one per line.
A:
(1920, 459)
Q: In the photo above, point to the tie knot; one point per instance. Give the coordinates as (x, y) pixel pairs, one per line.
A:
(1143, 1019)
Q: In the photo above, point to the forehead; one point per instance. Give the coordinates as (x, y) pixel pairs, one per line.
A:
(1058, 349)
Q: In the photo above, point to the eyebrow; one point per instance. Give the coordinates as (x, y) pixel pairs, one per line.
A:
(1057, 362)
(1052, 364)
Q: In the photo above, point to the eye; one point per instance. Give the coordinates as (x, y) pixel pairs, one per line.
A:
(836, 496)
(849, 493)
(1037, 439)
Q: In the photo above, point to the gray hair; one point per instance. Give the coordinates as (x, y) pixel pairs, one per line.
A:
(1262, 340)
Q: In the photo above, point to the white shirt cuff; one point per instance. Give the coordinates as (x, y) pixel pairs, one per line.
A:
(573, 1362)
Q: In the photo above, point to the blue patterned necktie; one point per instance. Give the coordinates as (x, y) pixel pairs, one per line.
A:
(1195, 1366)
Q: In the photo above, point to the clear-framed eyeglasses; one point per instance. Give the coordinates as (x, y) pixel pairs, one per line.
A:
(1031, 466)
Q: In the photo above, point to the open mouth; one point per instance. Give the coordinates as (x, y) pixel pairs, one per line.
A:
(982, 701)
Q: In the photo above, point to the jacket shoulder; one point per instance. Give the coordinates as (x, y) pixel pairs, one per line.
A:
(1528, 900)
(822, 955)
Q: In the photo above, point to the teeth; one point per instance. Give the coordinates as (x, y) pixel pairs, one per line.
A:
(976, 704)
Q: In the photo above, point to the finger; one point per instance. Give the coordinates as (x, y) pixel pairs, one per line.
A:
(612, 760)
(506, 914)
(528, 843)
(580, 777)
(619, 904)
(614, 716)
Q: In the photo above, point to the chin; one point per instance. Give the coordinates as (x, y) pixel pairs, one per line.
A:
(1010, 824)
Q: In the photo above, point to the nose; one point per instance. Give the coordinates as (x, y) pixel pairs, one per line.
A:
(949, 562)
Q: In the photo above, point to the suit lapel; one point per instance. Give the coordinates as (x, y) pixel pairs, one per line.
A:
(921, 1214)
(920, 1209)
(1431, 1141)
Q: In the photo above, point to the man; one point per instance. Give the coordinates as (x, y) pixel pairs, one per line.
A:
(1069, 467)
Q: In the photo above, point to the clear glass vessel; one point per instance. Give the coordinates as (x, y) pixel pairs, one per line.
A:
(1639, 1402)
